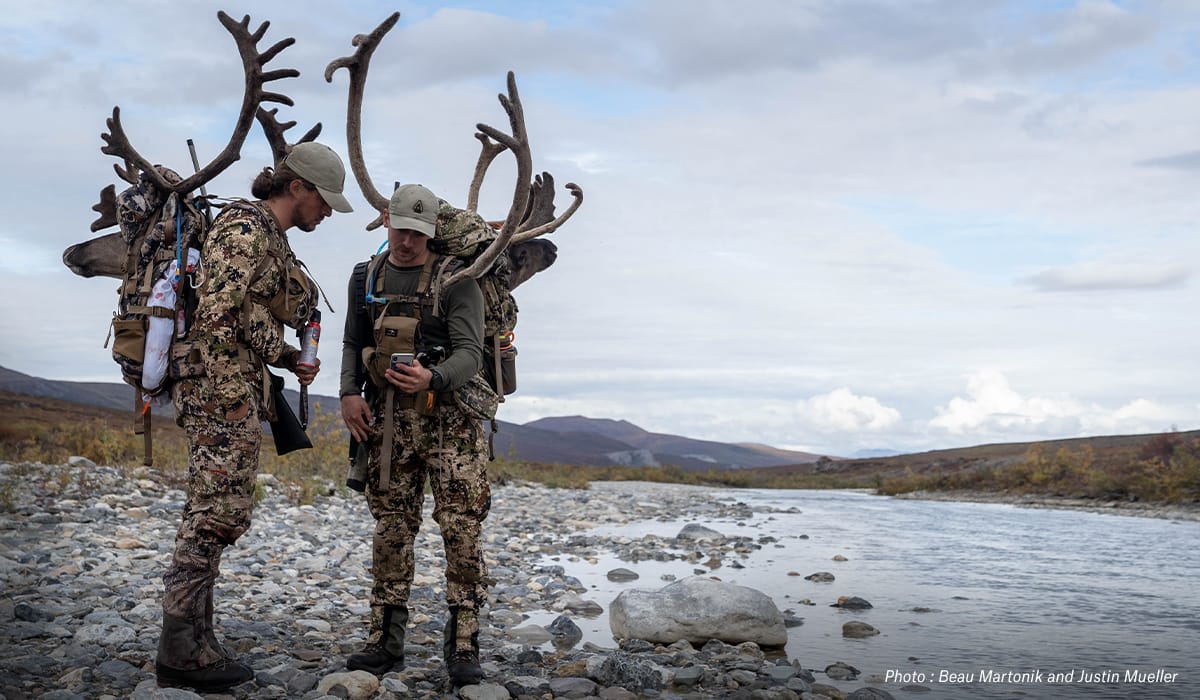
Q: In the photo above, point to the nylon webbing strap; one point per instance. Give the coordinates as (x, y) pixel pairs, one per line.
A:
(147, 438)
(500, 388)
(142, 409)
(389, 429)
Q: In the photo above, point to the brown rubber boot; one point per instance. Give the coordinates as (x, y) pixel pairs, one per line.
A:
(210, 634)
(383, 655)
(460, 647)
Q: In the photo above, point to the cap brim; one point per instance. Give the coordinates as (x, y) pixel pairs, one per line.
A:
(336, 200)
(402, 222)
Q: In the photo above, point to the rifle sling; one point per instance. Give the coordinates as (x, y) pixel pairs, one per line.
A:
(385, 449)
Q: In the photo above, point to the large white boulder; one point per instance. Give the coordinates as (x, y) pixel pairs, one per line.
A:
(698, 609)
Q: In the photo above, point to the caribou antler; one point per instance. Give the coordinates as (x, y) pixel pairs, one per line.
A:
(518, 143)
(273, 129)
(253, 63)
(129, 173)
(106, 208)
(357, 66)
(487, 154)
(540, 219)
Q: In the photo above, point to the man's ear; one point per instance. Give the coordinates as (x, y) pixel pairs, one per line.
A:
(296, 187)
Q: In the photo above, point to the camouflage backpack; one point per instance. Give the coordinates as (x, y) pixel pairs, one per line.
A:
(149, 223)
(464, 234)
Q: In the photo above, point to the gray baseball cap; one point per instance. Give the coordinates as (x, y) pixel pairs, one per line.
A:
(414, 207)
(318, 164)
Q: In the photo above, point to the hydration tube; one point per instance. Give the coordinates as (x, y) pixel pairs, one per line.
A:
(371, 298)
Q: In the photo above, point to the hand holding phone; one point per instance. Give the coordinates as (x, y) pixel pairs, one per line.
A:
(401, 358)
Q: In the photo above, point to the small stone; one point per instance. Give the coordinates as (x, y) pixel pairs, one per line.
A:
(858, 630)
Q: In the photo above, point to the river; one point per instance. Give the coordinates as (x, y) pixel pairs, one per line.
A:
(971, 600)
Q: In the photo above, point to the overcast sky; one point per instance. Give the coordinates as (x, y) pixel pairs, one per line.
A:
(829, 226)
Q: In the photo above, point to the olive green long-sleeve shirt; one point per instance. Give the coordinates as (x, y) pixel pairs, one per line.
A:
(462, 306)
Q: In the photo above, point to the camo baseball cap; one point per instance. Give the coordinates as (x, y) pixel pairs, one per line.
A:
(414, 207)
(318, 164)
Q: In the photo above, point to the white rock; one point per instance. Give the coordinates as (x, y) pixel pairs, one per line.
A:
(698, 609)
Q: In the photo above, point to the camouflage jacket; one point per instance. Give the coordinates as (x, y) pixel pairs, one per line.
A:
(238, 280)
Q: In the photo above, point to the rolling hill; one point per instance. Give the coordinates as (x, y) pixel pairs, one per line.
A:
(566, 440)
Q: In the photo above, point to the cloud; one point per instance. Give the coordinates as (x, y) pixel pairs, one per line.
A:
(843, 411)
(1188, 160)
(805, 221)
(1099, 276)
(1082, 35)
(993, 408)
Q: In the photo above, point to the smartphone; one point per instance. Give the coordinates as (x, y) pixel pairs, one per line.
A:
(401, 358)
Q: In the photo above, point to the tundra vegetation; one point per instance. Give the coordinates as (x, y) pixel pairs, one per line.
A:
(1162, 468)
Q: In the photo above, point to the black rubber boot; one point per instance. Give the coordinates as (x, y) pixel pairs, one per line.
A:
(382, 656)
(460, 648)
(181, 640)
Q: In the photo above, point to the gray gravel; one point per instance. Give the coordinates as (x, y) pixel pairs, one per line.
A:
(83, 547)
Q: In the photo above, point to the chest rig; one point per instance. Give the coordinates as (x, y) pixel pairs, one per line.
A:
(408, 323)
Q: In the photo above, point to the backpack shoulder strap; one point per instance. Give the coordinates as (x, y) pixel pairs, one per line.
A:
(436, 270)
(358, 283)
(373, 282)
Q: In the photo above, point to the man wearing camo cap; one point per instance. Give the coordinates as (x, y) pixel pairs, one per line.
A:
(254, 287)
(416, 427)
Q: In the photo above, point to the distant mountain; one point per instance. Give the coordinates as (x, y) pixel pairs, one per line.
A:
(1106, 451)
(685, 452)
(116, 394)
(104, 394)
(872, 454)
(567, 440)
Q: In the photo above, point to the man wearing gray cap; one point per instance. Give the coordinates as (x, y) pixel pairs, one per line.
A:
(415, 427)
(253, 287)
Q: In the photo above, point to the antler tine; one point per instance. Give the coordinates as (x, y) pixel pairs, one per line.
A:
(129, 173)
(273, 129)
(357, 66)
(117, 143)
(487, 153)
(518, 142)
(541, 203)
(552, 226)
(106, 208)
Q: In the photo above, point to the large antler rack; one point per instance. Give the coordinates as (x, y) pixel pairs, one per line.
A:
(538, 215)
(253, 63)
(518, 143)
(357, 66)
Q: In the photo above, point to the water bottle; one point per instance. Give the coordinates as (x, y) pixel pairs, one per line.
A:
(309, 338)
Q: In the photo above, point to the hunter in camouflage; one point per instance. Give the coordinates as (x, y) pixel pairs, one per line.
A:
(416, 427)
(253, 289)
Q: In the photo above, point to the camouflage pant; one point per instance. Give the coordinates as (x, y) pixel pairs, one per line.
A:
(222, 466)
(450, 450)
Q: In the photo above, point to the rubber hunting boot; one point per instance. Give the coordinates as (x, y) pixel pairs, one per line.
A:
(183, 643)
(382, 656)
(460, 647)
(210, 633)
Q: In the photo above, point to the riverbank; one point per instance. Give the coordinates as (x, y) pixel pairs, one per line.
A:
(1138, 509)
(83, 547)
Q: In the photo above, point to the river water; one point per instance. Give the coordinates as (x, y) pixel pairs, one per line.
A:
(971, 600)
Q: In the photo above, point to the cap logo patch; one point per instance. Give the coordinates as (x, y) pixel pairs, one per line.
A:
(418, 207)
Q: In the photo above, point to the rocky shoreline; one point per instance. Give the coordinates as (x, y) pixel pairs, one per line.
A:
(82, 549)
(1139, 509)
